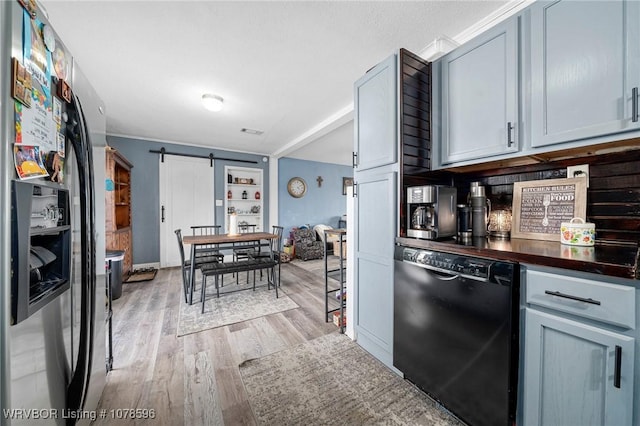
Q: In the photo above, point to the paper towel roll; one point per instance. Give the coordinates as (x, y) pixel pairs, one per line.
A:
(233, 224)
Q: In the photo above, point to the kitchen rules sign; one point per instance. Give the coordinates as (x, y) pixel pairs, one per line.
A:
(539, 207)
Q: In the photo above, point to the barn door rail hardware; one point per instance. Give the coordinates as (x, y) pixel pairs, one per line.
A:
(211, 157)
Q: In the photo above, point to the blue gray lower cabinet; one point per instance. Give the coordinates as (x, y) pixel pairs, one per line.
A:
(580, 364)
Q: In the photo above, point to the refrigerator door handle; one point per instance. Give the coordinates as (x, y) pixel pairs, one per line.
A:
(79, 383)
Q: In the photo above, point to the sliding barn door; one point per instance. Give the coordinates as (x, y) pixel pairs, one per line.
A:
(186, 199)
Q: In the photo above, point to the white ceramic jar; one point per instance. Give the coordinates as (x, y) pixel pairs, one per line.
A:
(577, 232)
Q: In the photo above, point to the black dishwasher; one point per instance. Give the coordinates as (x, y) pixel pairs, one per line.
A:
(455, 332)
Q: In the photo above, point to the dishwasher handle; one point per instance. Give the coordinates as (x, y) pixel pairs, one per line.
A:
(443, 274)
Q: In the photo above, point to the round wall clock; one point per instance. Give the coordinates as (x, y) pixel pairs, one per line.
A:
(297, 187)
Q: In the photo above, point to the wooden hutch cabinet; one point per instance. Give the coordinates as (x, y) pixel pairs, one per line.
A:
(118, 207)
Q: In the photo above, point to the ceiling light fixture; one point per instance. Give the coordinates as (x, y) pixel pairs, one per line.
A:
(212, 102)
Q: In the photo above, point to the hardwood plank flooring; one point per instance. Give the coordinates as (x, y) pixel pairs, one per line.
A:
(194, 379)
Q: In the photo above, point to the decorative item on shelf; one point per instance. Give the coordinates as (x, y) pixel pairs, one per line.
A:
(336, 249)
(336, 319)
(257, 195)
(244, 195)
(231, 210)
(229, 178)
(229, 195)
(577, 232)
(244, 181)
(541, 207)
(233, 224)
(255, 209)
(500, 223)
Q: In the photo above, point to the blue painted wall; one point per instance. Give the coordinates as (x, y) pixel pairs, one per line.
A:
(324, 204)
(145, 190)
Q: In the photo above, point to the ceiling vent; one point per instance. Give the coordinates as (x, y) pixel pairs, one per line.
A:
(252, 131)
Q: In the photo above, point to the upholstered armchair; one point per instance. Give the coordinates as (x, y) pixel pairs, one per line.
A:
(307, 247)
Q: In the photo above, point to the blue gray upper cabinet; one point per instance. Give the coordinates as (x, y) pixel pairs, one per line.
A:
(585, 69)
(479, 83)
(376, 106)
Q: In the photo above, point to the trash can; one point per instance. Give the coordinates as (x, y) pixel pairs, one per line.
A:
(114, 260)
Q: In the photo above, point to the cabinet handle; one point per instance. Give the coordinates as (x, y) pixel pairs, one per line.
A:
(354, 159)
(509, 130)
(355, 190)
(634, 104)
(162, 218)
(618, 367)
(568, 296)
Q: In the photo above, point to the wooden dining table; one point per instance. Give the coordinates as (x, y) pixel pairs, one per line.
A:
(223, 241)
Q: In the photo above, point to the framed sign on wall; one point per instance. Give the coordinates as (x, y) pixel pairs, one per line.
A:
(540, 206)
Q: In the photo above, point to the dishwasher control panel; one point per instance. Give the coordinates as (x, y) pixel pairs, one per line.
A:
(454, 264)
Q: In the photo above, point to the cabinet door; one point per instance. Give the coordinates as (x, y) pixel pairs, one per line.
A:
(570, 371)
(584, 66)
(480, 96)
(375, 224)
(376, 116)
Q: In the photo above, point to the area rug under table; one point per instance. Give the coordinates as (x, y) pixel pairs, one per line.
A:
(235, 304)
(332, 380)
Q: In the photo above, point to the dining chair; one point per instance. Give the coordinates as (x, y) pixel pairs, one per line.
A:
(209, 249)
(275, 246)
(242, 250)
(185, 265)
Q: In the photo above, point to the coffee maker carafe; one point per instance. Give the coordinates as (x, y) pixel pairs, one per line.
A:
(422, 218)
(431, 212)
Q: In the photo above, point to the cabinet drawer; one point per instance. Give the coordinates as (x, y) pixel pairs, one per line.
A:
(600, 301)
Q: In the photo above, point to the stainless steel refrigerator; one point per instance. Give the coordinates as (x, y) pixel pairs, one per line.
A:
(52, 270)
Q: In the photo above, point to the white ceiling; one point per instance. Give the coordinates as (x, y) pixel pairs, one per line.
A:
(284, 67)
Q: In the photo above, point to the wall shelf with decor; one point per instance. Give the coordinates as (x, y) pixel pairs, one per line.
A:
(244, 196)
(118, 231)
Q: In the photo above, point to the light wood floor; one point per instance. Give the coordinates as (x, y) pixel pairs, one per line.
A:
(182, 377)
